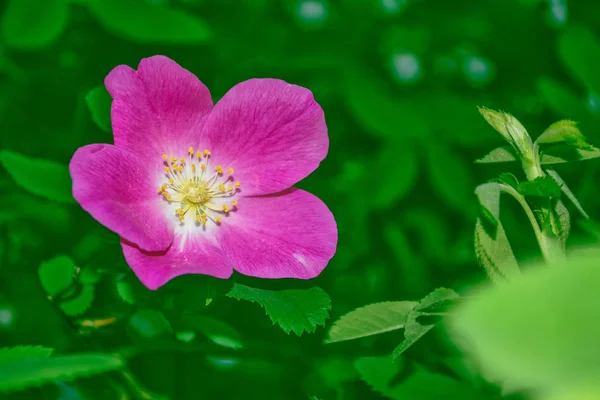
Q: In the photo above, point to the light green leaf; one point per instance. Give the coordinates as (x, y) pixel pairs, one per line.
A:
(31, 372)
(413, 330)
(147, 23)
(561, 154)
(510, 128)
(492, 248)
(399, 172)
(565, 189)
(131, 290)
(579, 51)
(81, 303)
(56, 274)
(561, 223)
(382, 376)
(372, 319)
(149, 324)
(21, 353)
(499, 155)
(41, 177)
(559, 98)
(538, 331)
(293, 310)
(99, 102)
(25, 29)
(216, 330)
(543, 186)
(564, 132)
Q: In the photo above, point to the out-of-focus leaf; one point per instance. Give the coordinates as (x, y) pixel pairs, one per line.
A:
(21, 353)
(413, 329)
(293, 310)
(149, 324)
(369, 320)
(560, 221)
(397, 171)
(147, 23)
(450, 176)
(538, 331)
(565, 189)
(216, 330)
(413, 273)
(382, 376)
(22, 374)
(565, 132)
(559, 98)
(563, 153)
(33, 24)
(492, 248)
(499, 155)
(56, 274)
(99, 102)
(41, 177)
(130, 290)
(543, 186)
(80, 303)
(579, 51)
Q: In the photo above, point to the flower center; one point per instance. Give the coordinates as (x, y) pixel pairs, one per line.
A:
(202, 194)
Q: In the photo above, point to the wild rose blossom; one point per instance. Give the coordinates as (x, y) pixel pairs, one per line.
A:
(193, 188)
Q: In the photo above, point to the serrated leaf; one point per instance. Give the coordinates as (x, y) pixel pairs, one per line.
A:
(564, 132)
(293, 310)
(147, 23)
(565, 189)
(383, 376)
(562, 154)
(81, 303)
(543, 186)
(413, 330)
(150, 324)
(401, 167)
(22, 374)
(21, 353)
(41, 177)
(26, 30)
(99, 103)
(499, 155)
(538, 331)
(216, 330)
(579, 51)
(510, 128)
(508, 179)
(372, 319)
(56, 274)
(493, 251)
(560, 98)
(561, 223)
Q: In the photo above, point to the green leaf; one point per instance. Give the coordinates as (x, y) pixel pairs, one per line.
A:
(450, 176)
(538, 331)
(561, 223)
(561, 154)
(41, 177)
(579, 51)
(543, 186)
(22, 374)
(493, 250)
(99, 102)
(382, 376)
(21, 353)
(56, 274)
(399, 172)
(372, 319)
(81, 303)
(565, 189)
(33, 24)
(216, 330)
(414, 330)
(559, 98)
(510, 128)
(149, 324)
(499, 155)
(131, 290)
(147, 23)
(564, 132)
(293, 310)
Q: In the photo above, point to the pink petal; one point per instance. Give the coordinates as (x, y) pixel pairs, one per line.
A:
(119, 191)
(160, 108)
(272, 133)
(288, 235)
(196, 256)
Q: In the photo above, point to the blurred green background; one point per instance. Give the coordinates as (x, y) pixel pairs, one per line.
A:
(399, 81)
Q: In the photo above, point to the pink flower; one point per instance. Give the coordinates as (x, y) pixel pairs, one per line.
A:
(193, 188)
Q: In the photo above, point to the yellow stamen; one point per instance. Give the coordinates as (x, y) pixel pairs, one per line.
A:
(225, 208)
(191, 151)
(219, 169)
(230, 187)
(174, 159)
(222, 188)
(238, 184)
(234, 203)
(167, 169)
(218, 220)
(206, 152)
(182, 160)
(198, 154)
(202, 167)
(193, 167)
(230, 170)
(165, 157)
(171, 181)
